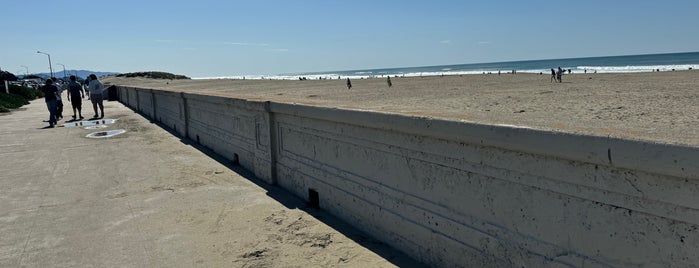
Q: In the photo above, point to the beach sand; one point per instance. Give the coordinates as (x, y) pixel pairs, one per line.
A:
(660, 107)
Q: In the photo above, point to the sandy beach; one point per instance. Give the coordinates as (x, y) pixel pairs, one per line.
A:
(661, 107)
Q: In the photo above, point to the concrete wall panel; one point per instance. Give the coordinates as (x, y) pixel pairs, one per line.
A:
(170, 110)
(226, 130)
(132, 97)
(144, 98)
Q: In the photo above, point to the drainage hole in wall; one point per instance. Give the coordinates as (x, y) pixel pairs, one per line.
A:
(235, 160)
(199, 143)
(313, 199)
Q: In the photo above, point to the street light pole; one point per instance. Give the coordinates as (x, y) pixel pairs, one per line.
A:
(64, 71)
(50, 67)
(27, 68)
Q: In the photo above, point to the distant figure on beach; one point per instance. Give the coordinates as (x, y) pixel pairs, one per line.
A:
(388, 81)
(96, 88)
(75, 96)
(349, 84)
(553, 75)
(50, 92)
(559, 75)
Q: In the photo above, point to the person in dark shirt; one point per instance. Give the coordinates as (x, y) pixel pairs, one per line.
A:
(559, 75)
(50, 96)
(75, 96)
(553, 75)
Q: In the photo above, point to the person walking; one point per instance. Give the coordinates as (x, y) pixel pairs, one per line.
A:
(75, 96)
(50, 92)
(388, 81)
(59, 100)
(86, 84)
(96, 88)
(349, 84)
(553, 75)
(559, 75)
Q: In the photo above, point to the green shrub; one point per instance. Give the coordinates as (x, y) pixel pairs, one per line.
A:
(26, 92)
(18, 96)
(12, 101)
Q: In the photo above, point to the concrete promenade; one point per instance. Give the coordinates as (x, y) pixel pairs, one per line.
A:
(145, 198)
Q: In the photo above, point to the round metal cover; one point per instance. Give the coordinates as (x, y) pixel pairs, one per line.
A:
(105, 134)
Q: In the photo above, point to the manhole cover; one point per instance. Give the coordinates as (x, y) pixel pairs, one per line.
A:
(96, 127)
(90, 123)
(105, 134)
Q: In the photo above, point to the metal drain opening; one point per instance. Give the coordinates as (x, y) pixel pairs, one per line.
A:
(90, 123)
(105, 134)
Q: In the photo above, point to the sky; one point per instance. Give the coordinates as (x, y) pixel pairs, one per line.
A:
(208, 38)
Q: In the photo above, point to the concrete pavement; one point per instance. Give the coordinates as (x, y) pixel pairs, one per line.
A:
(146, 198)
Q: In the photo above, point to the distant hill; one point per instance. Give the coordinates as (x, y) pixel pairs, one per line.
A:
(79, 73)
(154, 75)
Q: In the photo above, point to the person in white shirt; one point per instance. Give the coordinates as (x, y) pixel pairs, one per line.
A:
(96, 88)
(59, 100)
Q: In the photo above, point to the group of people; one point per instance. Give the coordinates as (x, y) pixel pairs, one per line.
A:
(388, 82)
(557, 75)
(53, 91)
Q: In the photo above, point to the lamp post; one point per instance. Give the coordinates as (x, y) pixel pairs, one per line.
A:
(50, 67)
(27, 68)
(64, 71)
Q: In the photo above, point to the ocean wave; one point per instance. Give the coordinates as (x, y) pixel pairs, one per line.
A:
(613, 64)
(637, 69)
(365, 75)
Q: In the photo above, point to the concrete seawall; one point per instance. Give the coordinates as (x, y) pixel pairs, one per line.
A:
(459, 194)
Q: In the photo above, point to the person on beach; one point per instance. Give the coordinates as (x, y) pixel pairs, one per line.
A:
(50, 92)
(388, 81)
(349, 83)
(59, 101)
(553, 75)
(96, 88)
(559, 75)
(75, 96)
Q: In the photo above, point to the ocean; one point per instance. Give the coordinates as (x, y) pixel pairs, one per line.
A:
(612, 64)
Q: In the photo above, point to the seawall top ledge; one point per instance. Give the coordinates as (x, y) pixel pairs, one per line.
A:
(658, 158)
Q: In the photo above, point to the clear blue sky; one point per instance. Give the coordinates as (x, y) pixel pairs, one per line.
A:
(223, 38)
